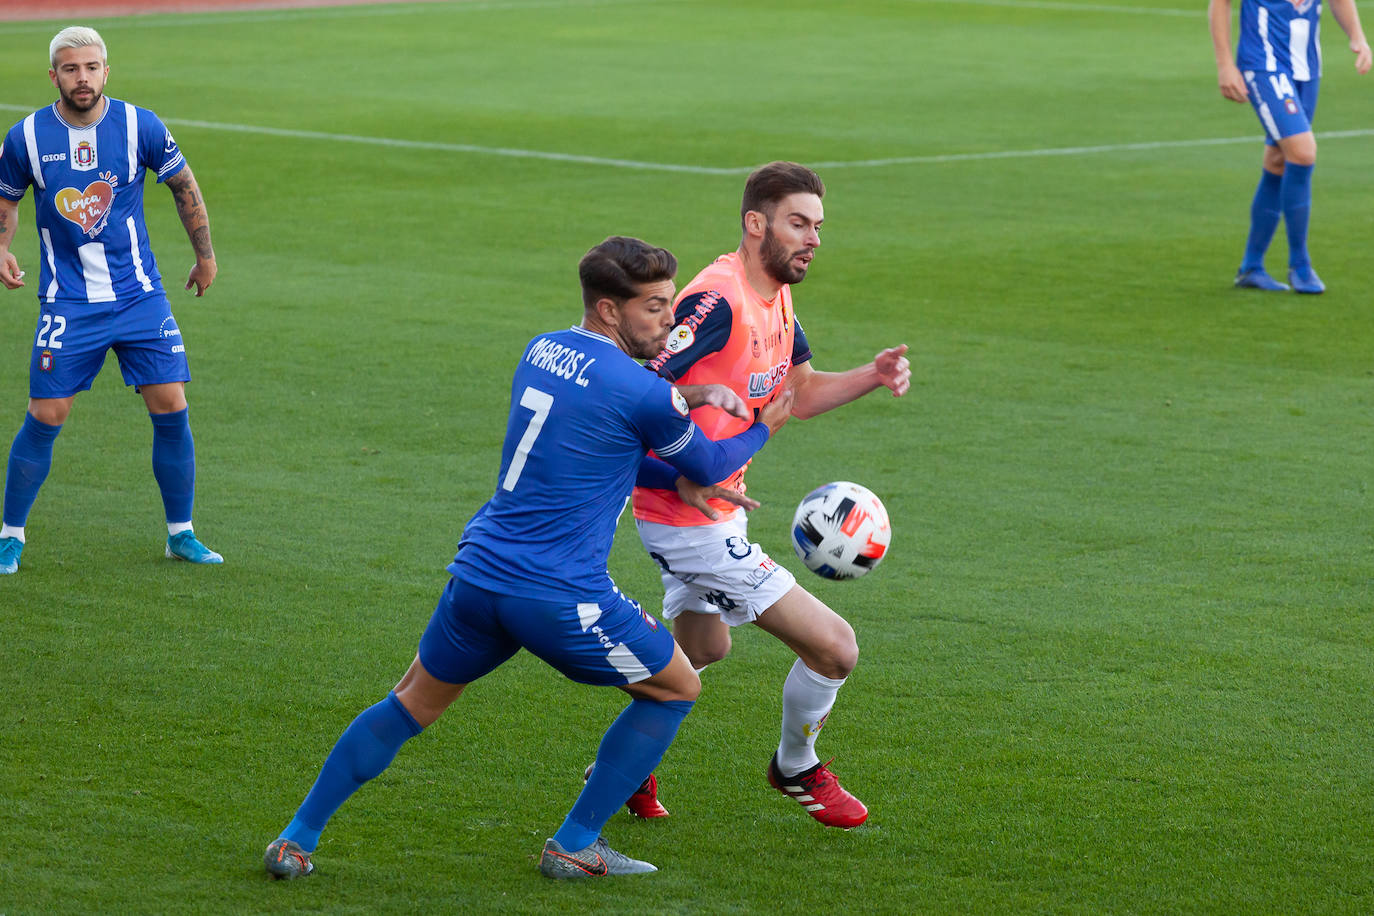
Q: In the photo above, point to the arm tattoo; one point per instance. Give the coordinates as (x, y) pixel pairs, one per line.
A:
(200, 241)
(191, 210)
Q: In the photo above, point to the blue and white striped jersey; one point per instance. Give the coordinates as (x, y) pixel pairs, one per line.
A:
(1280, 36)
(88, 198)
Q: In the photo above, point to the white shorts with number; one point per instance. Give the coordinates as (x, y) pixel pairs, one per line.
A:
(714, 569)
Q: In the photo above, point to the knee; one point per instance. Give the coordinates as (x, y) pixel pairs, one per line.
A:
(1304, 153)
(685, 687)
(702, 657)
(838, 656)
(703, 652)
(691, 690)
(52, 413)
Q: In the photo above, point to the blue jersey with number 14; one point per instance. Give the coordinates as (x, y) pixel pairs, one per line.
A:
(583, 414)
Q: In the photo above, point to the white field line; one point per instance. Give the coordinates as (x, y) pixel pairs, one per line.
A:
(212, 17)
(1199, 12)
(513, 153)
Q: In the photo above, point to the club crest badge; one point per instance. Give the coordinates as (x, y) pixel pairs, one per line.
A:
(45, 361)
(83, 156)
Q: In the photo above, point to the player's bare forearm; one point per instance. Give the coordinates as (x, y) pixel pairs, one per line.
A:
(824, 391)
(1347, 15)
(1229, 80)
(818, 392)
(196, 221)
(191, 210)
(10, 274)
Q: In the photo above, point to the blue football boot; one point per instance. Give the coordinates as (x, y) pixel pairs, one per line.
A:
(1258, 278)
(1305, 280)
(184, 546)
(10, 549)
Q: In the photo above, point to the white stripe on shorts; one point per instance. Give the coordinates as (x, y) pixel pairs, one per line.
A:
(625, 661)
(588, 613)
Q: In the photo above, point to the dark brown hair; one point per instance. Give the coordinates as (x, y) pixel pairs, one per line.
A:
(769, 184)
(620, 266)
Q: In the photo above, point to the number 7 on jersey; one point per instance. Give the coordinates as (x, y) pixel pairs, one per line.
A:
(539, 402)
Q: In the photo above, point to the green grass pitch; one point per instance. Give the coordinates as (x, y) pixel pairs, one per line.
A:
(1118, 659)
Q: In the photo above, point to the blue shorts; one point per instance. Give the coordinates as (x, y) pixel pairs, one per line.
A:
(72, 339)
(1285, 107)
(612, 643)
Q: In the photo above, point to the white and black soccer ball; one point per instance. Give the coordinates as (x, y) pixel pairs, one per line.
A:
(841, 530)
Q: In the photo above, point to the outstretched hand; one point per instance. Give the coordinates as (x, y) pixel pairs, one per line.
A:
(894, 370)
(696, 496)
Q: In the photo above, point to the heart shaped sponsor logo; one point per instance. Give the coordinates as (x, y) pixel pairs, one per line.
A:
(87, 208)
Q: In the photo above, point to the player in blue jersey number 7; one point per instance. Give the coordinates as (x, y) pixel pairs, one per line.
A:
(98, 285)
(1277, 68)
(531, 565)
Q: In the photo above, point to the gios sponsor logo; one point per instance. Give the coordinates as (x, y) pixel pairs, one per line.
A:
(54, 157)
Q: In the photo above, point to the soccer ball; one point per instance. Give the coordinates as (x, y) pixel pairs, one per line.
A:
(841, 530)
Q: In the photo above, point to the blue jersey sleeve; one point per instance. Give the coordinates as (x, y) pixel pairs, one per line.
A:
(656, 475)
(14, 165)
(662, 420)
(801, 350)
(703, 327)
(706, 461)
(156, 147)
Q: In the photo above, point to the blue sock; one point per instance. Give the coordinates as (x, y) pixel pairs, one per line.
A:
(1265, 210)
(631, 748)
(174, 462)
(30, 461)
(1297, 207)
(365, 749)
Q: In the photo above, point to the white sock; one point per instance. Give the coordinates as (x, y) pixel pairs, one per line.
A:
(175, 528)
(807, 699)
(10, 531)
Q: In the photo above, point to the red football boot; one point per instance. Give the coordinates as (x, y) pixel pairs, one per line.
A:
(820, 793)
(644, 802)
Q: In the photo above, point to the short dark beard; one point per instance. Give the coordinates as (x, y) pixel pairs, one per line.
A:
(71, 103)
(777, 260)
(643, 349)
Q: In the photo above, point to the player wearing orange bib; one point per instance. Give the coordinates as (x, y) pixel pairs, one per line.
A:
(735, 326)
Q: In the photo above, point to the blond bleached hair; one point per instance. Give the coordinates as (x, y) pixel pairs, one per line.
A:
(75, 36)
